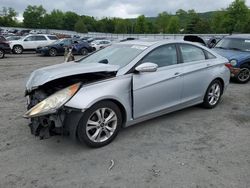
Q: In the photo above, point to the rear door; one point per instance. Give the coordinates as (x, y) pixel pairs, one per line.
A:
(197, 72)
(156, 91)
(41, 41)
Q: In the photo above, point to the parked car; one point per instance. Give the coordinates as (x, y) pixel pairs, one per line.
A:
(121, 85)
(9, 38)
(4, 49)
(236, 48)
(58, 47)
(31, 42)
(99, 44)
(2, 38)
(209, 42)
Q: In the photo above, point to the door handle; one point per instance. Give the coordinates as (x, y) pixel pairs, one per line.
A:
(209, 64)
(177, 74)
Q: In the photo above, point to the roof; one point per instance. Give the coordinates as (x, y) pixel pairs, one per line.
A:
(143, 42)
(239, 36)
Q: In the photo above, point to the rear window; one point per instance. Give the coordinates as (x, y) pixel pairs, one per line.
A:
(39, 38)
(53, 37)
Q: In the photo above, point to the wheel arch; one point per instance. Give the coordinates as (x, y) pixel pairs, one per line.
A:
(221, 81)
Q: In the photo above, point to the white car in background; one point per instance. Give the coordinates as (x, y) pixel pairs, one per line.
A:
(31, 42)
(99, 44)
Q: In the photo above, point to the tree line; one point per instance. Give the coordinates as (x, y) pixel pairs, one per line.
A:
(233, 19)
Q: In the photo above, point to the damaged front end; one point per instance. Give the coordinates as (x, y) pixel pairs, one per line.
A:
(46, 109)
(47, 114)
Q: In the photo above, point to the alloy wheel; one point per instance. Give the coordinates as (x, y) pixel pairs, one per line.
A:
(214, 94)
(101, 125)
(52, 52)
(244, 74)
(18, 49)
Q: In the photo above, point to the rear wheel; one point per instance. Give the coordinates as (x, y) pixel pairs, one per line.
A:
(2, 53)
(18, 49)
(213, 94)
(244, 74)
(52, 52)
(84, 51)
(100, 124)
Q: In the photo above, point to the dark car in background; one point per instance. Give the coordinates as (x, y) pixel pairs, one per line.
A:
(4, 49)
(2, 38)
(236, 48)
(14, 37)
(58, 47)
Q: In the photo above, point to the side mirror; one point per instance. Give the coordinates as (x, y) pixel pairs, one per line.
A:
(147, 67)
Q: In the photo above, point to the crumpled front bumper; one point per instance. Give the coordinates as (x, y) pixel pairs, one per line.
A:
(64, 122)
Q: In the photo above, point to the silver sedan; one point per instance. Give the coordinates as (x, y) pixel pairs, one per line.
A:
(93, 98)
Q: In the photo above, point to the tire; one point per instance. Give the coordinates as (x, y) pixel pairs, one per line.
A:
(84, 51)
(52, 52)
(92, 129)
(244, 74)
(2, 53)
(18, 49)
(213, 95)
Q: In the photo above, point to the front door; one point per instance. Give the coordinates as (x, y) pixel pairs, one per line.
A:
(156, 91)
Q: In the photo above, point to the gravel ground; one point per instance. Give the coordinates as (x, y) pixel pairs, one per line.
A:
(194, 148)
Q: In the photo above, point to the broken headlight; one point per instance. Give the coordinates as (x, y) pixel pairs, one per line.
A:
(53, 102)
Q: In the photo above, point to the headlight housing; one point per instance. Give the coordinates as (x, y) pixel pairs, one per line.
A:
(233, 62)
(53, 103)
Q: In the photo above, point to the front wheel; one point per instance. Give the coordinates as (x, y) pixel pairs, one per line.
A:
(18, 49)
(100, 124)
(244, 74)
(2, 53)
(213, 94)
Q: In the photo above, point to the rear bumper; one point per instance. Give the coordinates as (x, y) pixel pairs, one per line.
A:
(234, 71)
(7, 50)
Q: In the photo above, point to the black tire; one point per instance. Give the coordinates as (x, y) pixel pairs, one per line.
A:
(82, 134)
(207, 102)
(2, 54)
(84, 51)
(17, 49)
(244, 74)
(52, 52)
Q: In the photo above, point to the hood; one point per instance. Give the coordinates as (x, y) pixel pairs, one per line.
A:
(233, 54)
(47, 74)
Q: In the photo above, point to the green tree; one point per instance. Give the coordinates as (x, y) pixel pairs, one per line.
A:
(9, 17)
(54, 20)
(174, 25)
(237, 14)
(33, 16)
(162, 22)
(80, 26)
(141, 25)
(69, 20)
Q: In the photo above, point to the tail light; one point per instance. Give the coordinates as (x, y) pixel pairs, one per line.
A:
(228, 65)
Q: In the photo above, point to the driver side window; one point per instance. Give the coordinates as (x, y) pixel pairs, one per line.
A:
(162, 56)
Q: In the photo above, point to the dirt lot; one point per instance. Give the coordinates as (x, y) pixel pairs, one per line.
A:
(193, 148)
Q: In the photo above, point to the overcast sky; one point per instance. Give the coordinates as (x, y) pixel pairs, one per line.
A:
(120, 8)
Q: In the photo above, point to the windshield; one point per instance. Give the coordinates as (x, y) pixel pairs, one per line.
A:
(234, 44)
(115, 55)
